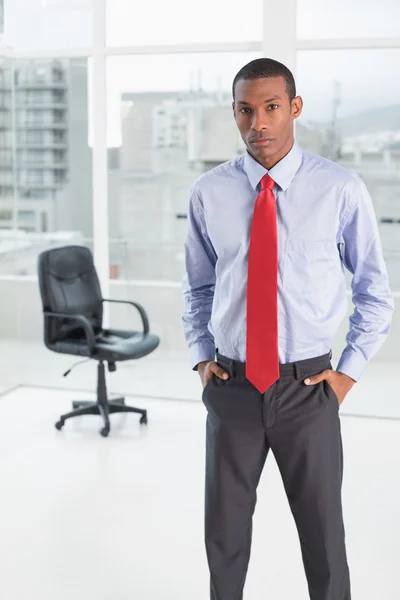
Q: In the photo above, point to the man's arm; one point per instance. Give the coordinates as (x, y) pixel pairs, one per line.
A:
(198, 284)
(362, 255)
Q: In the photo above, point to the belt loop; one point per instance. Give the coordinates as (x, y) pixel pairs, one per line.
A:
(297, 370)
(233, 370)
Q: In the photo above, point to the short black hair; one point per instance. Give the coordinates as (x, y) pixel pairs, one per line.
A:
(266, 67)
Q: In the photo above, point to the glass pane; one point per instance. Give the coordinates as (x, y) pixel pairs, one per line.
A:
(351, 116)
(45, 159)
(163, 132)
(30, 24)
(179, 21)
(319, 19)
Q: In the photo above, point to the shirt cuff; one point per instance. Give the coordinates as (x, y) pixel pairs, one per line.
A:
(351, 363)
(201, 351)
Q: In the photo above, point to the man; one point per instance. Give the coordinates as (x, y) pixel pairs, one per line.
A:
(269, 235)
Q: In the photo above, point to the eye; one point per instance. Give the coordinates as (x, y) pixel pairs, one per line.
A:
(273, 106)
(245, 111)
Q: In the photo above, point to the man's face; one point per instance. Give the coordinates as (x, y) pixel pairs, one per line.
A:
(264, 116)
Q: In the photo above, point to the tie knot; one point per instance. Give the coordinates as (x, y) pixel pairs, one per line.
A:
(267, 183)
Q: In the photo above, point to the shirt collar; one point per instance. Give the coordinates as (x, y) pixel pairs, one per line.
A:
(282, 173)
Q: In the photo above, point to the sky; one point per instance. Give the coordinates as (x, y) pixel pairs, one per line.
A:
(367, 78)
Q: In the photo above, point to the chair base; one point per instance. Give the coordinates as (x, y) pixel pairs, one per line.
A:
(103, 406)
(84, 403)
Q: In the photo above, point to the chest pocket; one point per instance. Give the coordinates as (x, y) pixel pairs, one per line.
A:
(311, 267)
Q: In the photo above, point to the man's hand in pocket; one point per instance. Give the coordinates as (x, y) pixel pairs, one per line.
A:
(207, 369)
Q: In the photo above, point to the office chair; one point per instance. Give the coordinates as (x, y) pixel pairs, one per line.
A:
(73, 316)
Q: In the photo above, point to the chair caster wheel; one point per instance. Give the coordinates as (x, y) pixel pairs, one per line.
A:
(60, 424)
(143, 420)
(105, 431)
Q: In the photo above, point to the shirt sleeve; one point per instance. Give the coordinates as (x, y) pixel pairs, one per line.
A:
(361, 253)
(198, 284)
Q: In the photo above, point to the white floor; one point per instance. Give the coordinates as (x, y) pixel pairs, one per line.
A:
(88, 518)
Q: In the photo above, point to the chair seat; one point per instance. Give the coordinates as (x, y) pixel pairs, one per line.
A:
(111, 345)
(116, 345)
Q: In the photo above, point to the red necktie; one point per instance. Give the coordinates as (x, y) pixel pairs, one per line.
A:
(262, 362)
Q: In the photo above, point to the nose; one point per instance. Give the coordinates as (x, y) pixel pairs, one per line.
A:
(258, 121)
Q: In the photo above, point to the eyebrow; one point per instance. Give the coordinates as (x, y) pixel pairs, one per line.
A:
(266, 101)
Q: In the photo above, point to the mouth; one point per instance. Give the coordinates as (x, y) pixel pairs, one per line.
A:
(261, 142)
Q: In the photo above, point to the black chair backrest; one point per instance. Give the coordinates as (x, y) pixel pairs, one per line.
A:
(69, 284)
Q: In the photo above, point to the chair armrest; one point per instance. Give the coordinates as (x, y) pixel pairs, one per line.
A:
(140, 308)
(84, 321)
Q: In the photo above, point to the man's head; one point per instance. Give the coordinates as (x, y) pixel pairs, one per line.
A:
(265, 106)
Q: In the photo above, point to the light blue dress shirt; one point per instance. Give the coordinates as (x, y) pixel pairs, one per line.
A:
(326, 222)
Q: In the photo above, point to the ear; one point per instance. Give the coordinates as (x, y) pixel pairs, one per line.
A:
(297, 107)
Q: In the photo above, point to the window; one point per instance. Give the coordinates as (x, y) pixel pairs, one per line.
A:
(356, 124)
(37, 194)
(47, 24)
(5, 99)
(6, 158)
(35, 176)
(169, 116)
(6, 139)
(6, 177)
(63, 195)
(27, 217)
(59, 156)
(58, 137)
(59, 176)
(30, 137)
(177, 22)
(321, 19)
(58, 116)
(164, 149)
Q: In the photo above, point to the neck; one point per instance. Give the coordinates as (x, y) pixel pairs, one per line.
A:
(271, 161)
